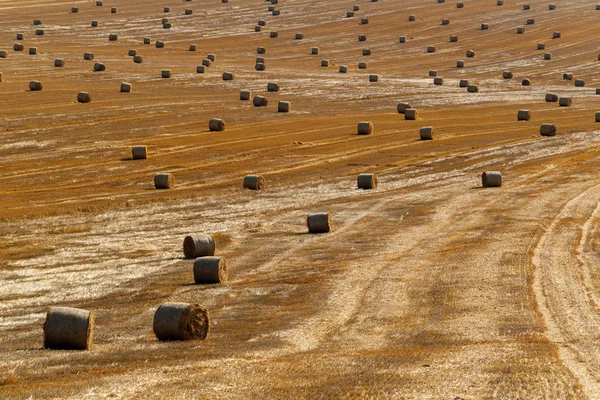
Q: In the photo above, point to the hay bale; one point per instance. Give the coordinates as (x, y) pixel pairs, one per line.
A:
(556, 35)
(367, 181)
(210, 270)
(453, 38)
(187, 11)
(579, 82)
(99, 67)
(526, 7)
(432, 72)
(530, 21)
(356, 8)
(199, 245)
(159, 44)
(412, 18)
(463, 83)
(35, 86)
(373, 78)
(523, 115)
(200, 69)
(426, 133)
(262, 22)
(165, 73)
(343, 69)
(364, 21)
(431, 49)
(206, 62)
(260, 101)
(98, 3)
(526, 82)
(366, 52)
(402, 107)
(228, 76)
(362, 65)
(491, 179)
(167, 25)
(260, 67)
(402, 39)
(193, 47)
(138, 59)
(167, 9)
(597, 116)
(362, 38)
(147, 40)
(460, 5)
(273, 34)
(470, 53)
(551, 7)
(181, 321)
(126, 87)
(541, 46)
(485, 27)
(260, 60)
(132, 52)
(1, 77)
(548, 130)
(349, 14)
(272, 87)
(112, 37)
(245, 95)
(319, 223)
(314, 50)
(276, 12)
(37, 22)
(84, 97)
(565, 101)
(410, 114)
(39, 32)
(460, 64)
(59, 62)
(597, 89)
(445, 21)
(163, 181)
(283, 106)
(567, 76)
(257, 28)
(139, 152)
(261, 50)
(113, 10)
(94, 23)
(20, 36)
(547, 56)
(365, 128)
(33, 50)
(68, 328)
(520, 30)
(18, 47)
(211, 57)
(299, 36)
(438, 81)
(507, 75)
(216, 125)
(324, 63)
(473, 88)
(254, 182)
(551, 98)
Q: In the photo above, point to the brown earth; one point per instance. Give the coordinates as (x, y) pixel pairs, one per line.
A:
(428, 287)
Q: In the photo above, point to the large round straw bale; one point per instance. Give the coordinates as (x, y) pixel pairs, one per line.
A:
(228, 76)
(402, 107)
(273, 34)
(165, 73)
(520, 30)
(88, 55)
(526, 7)
(438, 81)
(530, 21)
(453, 38)
(364, 21)
(37, 22)
(491, 179)
(402, 39)
(551, 98)
(473, 88)
(206, 62)
(565, 101)
(470, 53)
(188, 11)
(579, 82)
(548, 130)
(445, 21)
(272, 87)
(365, 128)
(349, 14)
(412, 18)
(597, 6)
(18, 47)
(597, 90)
(59, 62)
(99, 67)
(547, 56)
(211, 57)
(112, 37)
(181, 321)
(84, 97)
(261, 50)
(33, 50)
(167, 25)
(138, 59)
(260, 60)
(254, 182)
(324, 63)
(39, 32)
(98, 3)
(262, 22)
(432, 72)
(507, 75)
(315, 50)
(199, 245)
(555, 35)
(147, 40)
(260, 101)
(284, 106)
(94, 23)
(567, 76)
(426, 133)
(373, 78)
(319, 223)
(356, 8)
(410, 114)
(597, 116)
(551, 6)
(216, 125)
(139, 152)
(113, 10)
(362, 65)
(260, 66)
(523, 115)
(366, 52)
(126, 87)
(299, 36)
(163, 181)
(167, 9)
(132, 52)
(362, 38)
(526, 82)
(210, 269)
(20, 36)
(276, 12)
(431, 49)
(499, 2)
(68, 328)
(463, 83)
(460, 5)
(245, 95)
(541, 46)
(485, 27)
(193, 47)
(159, 44)
(367, 181)
(35, 86)
(343, 69)
(460, 64)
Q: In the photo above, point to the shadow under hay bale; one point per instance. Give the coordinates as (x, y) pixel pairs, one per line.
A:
(181, 321)
(210, 270)
(199, 245)
(68, 328)
(319, 223)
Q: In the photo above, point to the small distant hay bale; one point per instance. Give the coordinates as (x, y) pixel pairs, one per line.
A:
(402, 107)
(68, 328)
(139, 152)
(188, 11)
(499, 2)
(319, 223)
(181, 321)
(470, 53)
(567, 76)
(33, 50)
(193, 47)
(364, 21)
(112, 37)
(410, 114)
(362, 38)
(132, 52)
(126, 87)
(98, 3)
(460, 5)
(520, 30)
(276, 12)
(216, 125)
(84, 97)
(59, 62)
(579, 82)
(167, 9)
(453, 39)
(261, 50)
(273, 34)
(343, 69)
(272, 87)
(473, 88)
(551, 7)
(99, 67)
(245, 95)
(431, 49)
(260, 60)
(356, 8)
(530, 21)
(113, 10)
(206, 62)
(597, 90)
(138, 59)
(94, 23)
(362, 65)
(324, 63)
(491, 179)
(460, 64)
(35, 86)
(523, 115)
(526, 82)
(367, 181)
(262, 22)
(1, 78)
(18, 47)
(597, 116)
(412, 18)
(260, 66)
(551, 98)
(463, 83)
(228, 76)
(541, 46)
(432, 72)
(200, 69)
(439, 81)
(526, 7)
(37, 22)
(547, 56)
(366, 52)
(445, 21)
(548, 130)
(373, 78)
(314, 50)
(39, 32)
(159, 44)
(20, 36)
(210, 270)
(257, 28)
(402, 39)
(163, 181)
(565, 101)
(198, 245)
(167, 25)
(507, 75)
(211, 57)
(349, 14)
(165, 73)
(556, 35)
(147, 40)
(365, 128)
(260, 101)
(426, 133)
(485, 27)
(253, 182)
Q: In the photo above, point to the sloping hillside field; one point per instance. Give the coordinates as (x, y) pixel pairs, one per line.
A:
(429, 286)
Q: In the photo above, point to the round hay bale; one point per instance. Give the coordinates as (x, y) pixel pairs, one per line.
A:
(260, 66)
(343, 69)
(200, 69)
(520, 30)
(463, 83)
(33, 50)
(167, 9)
(159, 44)
(193, 47)
(20, 36)
(163, 181)
(367, 181)
(349, 14)
(84, 97)
(37, 22)
(551, 98)
(438, 81)
(402, 39)
(260, 60)
(59, 62)
(410, 114)
(499, 2)
(210, 270)
(364, 21)
(523, 115)
(260, 101)
(228, 76)
(556, 35)
(211, 57)
(485, 27)
(402, 107)
(362, 65)
(126, 87)
(262, 22)
(445, 21)
(548, 130)
(551, 7)
(366, 52)
(579, 82)
(199, 245)
(362, 38)
(35, 86)
(99, 67)
(272, 87)
(68, 328)
(373, 78)
(139, 152)
(526, 7)
(206, 62)
(526, 82)
(113, 10)
(431, 49)
(245, 95)
(112, 37)
(216, 125)
(94, 23)
(432, 72)
(187, 11)
(315, 50)
(507, 75)
(254, 182)
(530, 21)
(356, 8)
(597, 116)
(547, 56)
(597, 89)
(257, 28)
(365, 128)
(98, 3)
(541, 46)
(132, 53)
(460, 64)
(273, 34)
(473, 89)
(276, 12)
(284, 107)
(491, 179)
(18, 47)
(138, 59)
(299, 36)
(565, 101)
(165, 73)
(147, 40)
(460, 5)
(567, 76)
(412, 18)
(181, 321)
(319, 223)
(453, 39)
(39, 32)
(324, 63)
(167, 25)
(426, 133)
(470, 53)
(261, 50)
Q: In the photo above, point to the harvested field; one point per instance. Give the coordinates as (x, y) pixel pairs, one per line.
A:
(428, 287)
